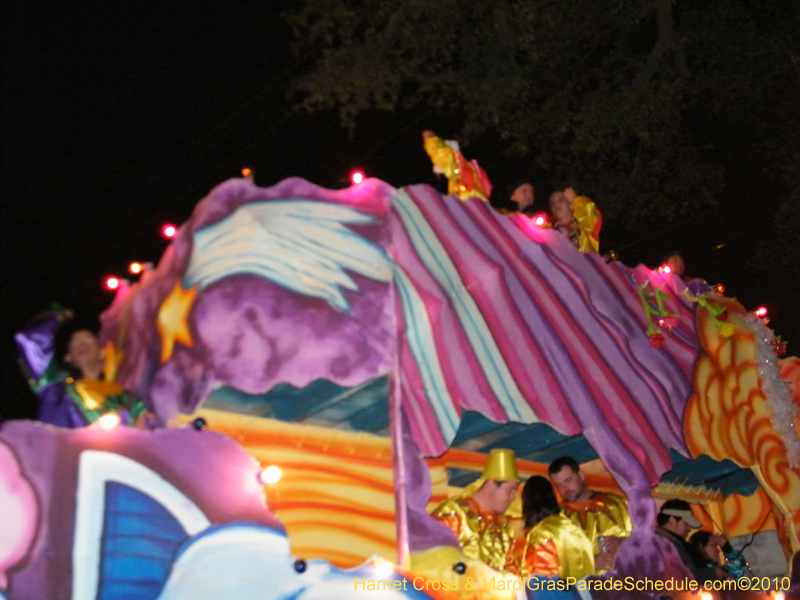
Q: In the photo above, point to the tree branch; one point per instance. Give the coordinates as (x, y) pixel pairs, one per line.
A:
(664, 26)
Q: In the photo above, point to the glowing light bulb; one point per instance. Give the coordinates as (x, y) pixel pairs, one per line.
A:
(779, 596)
(135, 268)
(719, 288)
(539, 220)
(356, 177)
(706, 596)
(247, 172)
(112, 283)
(271, 475)
(761, 311)
(666, 269)
(108, 421)
(169, 231)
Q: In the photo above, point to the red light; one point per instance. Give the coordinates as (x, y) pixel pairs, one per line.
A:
(169, 231)
(247, 172)
(666, 269)
(356, 177)
(761, 311)
(112, 283)
(539, 220)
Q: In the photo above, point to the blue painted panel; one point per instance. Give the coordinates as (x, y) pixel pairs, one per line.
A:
(362, 408)
(139, 542)
(725, 476)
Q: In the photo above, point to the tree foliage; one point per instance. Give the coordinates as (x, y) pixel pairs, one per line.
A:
(634, 101)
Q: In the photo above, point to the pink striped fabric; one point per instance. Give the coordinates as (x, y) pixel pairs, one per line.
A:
(512, 321)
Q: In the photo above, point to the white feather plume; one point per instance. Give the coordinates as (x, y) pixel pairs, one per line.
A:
(302, 245)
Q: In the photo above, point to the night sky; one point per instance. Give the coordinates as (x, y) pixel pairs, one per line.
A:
(119, 118)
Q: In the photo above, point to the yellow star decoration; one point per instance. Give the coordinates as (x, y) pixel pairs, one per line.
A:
(113, 358)
(173, 319)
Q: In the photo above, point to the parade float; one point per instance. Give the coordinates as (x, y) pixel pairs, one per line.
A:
(371, 345)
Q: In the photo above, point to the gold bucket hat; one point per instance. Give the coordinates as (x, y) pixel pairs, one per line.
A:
(500, 466)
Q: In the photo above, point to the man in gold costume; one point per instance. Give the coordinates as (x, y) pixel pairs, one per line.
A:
(578, 218)
(478, 520)
(603, 517)
(466, 179)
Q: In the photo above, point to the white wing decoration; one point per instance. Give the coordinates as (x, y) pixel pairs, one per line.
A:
(302, 245)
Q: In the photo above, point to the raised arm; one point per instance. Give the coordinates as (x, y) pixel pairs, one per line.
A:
(36, 346)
